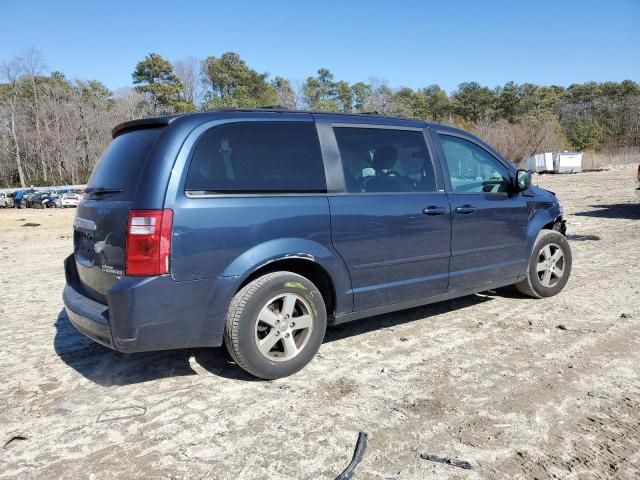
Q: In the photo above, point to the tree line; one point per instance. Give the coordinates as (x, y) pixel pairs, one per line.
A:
(53, 129)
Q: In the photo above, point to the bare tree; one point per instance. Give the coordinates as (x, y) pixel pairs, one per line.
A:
(298, 87)
(524, 138)
(33, 65)
(285, 95)
(130, 104)
(11, 72)
(381, 98)
(189, 71)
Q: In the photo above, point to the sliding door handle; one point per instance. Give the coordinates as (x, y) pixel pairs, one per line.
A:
(466, 209)
(433, 210)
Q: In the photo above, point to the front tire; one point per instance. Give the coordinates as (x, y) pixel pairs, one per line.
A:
(275, 325)
(549, 266)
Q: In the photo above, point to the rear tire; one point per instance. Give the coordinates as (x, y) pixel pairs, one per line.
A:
(275, 325)
(549, 266)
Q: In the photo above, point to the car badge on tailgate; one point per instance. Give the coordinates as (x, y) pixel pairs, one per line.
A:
(112, 270)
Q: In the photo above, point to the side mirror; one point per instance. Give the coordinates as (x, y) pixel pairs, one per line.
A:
(523, 180)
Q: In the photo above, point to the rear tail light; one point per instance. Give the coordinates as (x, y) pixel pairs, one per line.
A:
(148, 242)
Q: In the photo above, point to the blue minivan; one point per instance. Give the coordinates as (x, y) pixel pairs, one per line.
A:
(259, 228)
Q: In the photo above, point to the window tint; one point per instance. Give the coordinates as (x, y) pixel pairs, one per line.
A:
(384, 160)
(258, 157)
(120, 165)
(471, 168)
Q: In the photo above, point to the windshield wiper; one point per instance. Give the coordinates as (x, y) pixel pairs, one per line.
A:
(101, 190)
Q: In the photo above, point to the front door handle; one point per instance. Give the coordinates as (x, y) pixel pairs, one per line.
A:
(466, 209)
(433, 210)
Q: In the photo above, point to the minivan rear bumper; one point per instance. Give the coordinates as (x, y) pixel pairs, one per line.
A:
(150, 313)
(91, 318)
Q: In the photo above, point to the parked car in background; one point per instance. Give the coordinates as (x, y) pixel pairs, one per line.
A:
(28, 195)
(259, 228)
(32, 199)
(69, 199)
(43, 200)
(51, 200)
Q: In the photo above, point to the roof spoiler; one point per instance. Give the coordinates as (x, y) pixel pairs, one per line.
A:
(151, 122)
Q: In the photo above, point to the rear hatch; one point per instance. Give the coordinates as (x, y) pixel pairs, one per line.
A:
(100, 226)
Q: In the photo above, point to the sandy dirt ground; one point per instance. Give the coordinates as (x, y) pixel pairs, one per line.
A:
(520, 388)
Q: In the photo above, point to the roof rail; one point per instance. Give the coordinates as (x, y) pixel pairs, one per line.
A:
(161, 121)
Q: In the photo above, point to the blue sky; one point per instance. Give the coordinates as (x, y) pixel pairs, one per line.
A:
(407, 43)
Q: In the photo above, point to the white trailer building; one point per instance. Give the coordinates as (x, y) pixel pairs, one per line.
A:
(560, 162)
(567, 162)
(540, 162)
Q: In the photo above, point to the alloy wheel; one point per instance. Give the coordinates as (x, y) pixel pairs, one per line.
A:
(550, 266)
(283, 327)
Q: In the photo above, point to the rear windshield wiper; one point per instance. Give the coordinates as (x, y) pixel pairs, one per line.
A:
(101, 190)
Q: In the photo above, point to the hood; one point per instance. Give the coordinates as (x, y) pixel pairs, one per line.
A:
(544, 194)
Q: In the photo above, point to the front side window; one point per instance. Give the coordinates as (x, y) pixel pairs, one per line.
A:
(381, 160)
(471, 168)
(262, 157)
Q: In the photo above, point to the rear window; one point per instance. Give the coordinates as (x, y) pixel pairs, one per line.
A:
(259, 157)
(120, 165)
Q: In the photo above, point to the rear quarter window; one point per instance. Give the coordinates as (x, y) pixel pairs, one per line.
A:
(121, 163)
(258, 157)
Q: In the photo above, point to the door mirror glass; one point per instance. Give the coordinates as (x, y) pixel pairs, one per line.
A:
(523, 179)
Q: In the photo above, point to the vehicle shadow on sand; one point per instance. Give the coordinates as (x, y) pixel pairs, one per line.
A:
(108, 368)
(365, 325)
(628, 211)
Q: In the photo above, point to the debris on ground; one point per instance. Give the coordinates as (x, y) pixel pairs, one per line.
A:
(13, 439)
(454, 462)
(114, 414)
(404, 339)
(626, 315)
(30, 224)
(358, 455)
(561, 327)
(596, 394)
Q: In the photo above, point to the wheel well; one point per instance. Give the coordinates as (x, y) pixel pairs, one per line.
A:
(557, 225)
(549, 226)
(308, 269)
